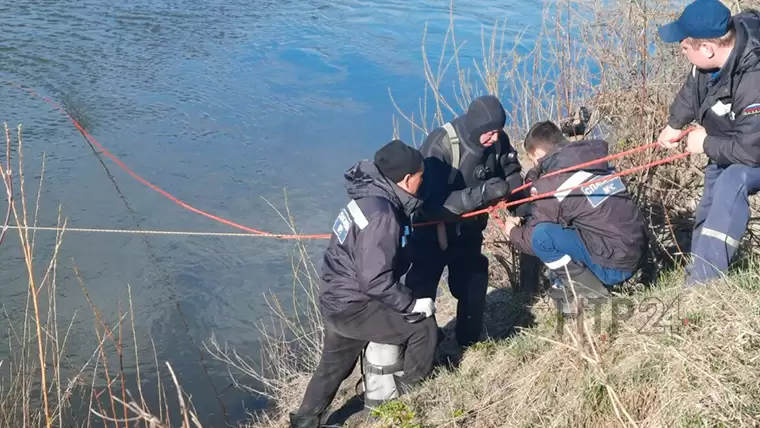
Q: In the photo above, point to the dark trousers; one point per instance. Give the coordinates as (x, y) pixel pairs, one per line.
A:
(348, 332)
(721, 219)
(468, 281)
(557, 246)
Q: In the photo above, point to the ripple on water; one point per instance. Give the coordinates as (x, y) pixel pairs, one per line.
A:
(220, 103)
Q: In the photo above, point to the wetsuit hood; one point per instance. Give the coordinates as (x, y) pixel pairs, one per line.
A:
(484, 114)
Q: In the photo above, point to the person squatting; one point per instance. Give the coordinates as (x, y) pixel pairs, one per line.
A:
(380, 275)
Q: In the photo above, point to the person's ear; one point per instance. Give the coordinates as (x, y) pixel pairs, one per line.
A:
(707, 50)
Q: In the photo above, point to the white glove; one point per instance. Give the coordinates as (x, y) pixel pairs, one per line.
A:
(424, 306)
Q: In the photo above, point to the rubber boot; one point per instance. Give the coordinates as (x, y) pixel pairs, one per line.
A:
(300, 421)
(587, 287)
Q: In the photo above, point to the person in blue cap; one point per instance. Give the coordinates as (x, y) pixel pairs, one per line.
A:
(722, 95)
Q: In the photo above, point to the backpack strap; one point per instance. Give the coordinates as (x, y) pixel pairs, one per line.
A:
(453, 142)
(454, 145)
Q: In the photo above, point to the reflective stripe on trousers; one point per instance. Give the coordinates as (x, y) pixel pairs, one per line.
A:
(721, 219)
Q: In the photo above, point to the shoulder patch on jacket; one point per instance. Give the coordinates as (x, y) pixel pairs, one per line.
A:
(342, 225)
(598, 192)
(751, 109)
(345, 219)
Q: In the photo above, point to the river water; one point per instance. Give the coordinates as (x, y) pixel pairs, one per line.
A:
(221, 103)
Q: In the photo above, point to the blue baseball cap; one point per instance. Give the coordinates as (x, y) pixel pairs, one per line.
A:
(702, 19)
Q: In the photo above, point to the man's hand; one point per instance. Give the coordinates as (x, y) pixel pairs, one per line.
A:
(667, 136)
(695, 143)
(510, 223)
(493, 189)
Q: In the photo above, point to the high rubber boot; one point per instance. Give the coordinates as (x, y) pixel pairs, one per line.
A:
(299, 421)
(587, 287)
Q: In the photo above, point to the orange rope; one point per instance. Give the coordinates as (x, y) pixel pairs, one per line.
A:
(156, 188)
(258, 232)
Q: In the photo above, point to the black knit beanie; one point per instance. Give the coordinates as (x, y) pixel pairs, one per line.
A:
(397, 159)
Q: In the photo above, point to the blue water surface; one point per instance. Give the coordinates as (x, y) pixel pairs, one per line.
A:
(223, 104)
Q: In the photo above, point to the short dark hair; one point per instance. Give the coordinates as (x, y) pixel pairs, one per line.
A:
(544, 134)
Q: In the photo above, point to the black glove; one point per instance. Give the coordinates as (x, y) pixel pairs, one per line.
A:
(493, 189)
(510, 164)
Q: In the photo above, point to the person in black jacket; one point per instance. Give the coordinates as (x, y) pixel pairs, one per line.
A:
(594, 235)
(469, 164)
(722, 94)
(361, 296)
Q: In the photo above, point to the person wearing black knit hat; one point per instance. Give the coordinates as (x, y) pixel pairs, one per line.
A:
(362, 298)
(469, 164)
(396, 160)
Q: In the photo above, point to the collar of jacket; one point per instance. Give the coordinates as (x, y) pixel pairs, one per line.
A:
(569, 154)
(363, 179)
(745, 55)
(409, 203)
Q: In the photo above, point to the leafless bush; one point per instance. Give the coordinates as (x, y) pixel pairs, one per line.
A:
(607, 57)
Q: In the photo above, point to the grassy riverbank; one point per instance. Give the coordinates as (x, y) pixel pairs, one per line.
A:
(674, 359)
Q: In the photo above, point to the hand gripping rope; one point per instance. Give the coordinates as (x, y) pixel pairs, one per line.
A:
(261, 233)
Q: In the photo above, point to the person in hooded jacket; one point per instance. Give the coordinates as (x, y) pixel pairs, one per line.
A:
(361, 295)
(722, 95)
(594, 235)
(485, 173)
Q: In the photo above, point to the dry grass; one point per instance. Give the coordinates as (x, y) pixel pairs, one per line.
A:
(695, 366)
(291, 341)
(40, 384)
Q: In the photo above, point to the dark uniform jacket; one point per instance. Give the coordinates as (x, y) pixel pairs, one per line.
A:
(727, 102)
(444, 201)
(610, 224)
(366, 256)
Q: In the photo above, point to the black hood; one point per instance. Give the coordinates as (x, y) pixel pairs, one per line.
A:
(569, 154)
(364, 180)
(746, 54)
(484, 114)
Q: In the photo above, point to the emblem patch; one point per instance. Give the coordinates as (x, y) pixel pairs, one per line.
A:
(751, 109)
(596, 193)
(533, 191)
(342, 225)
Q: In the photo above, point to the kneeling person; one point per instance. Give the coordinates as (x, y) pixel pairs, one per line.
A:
(361, 297)
(594, 235)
